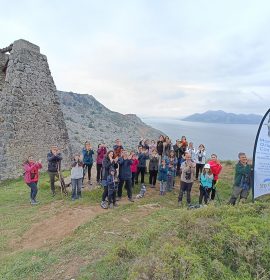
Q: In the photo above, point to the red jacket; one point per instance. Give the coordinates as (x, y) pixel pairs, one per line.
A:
(134, 165)
(215, 168)
(101, 153)
(31, 172)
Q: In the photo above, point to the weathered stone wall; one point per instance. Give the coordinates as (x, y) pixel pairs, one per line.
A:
(3, 61)
(30, 116)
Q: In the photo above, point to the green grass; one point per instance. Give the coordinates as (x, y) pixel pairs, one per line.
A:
(149, 239)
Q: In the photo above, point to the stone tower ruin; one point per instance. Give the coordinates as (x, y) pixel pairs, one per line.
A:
(31, 119)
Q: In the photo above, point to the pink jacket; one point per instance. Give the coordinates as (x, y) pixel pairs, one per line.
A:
(134, 165)
(31, 172)
(215, 168)
(101, 153)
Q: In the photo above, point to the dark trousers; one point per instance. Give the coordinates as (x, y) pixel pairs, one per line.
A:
(99, 171)
(213, 190)
(185, 187)
(141, 170)
(238, 192)
(52, 176)
(153, 177)
(178, 166)
(127, 187)
(87, 168)
(133, 178)
(105, 193)
(34, 190)
(204, 194)
(199, 168)
(112, 196)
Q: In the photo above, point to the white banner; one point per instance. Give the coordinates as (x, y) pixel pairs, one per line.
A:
(261, 158)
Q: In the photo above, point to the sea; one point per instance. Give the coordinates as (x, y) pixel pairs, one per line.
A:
(225, 140)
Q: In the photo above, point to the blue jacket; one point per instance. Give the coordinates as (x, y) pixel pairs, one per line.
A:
(163, 173)
(87, 156)
(142, 157)
(54, 162)
(206, 180)
(124, 169)
(111, 183)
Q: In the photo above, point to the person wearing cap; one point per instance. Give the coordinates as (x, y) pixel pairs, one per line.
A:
(76, 176)
(206, 181)
(54, 158)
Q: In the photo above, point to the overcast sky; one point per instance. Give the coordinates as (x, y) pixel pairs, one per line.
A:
(150, 57)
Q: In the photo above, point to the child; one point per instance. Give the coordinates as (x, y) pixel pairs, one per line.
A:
(31, 177)
(112, 188)
(134, 168)
(206, 180)
(76, 177)
(170, 177)
(162, 176)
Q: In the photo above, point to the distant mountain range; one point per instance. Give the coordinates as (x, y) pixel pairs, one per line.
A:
(88, 119)
(223, 117)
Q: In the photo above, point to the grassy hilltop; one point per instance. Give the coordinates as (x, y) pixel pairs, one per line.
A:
(148, 239)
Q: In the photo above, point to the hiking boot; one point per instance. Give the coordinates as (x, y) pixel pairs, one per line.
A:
(131, 199)
(73, 198)
(90, 183)
(103, 205)
(118, 198)
(37, 202)
(180, 204)
(33, 202)
(115, 204)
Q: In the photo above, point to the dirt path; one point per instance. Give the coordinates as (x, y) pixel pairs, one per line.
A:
(57, 227)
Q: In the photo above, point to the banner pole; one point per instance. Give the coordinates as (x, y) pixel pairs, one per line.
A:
(254, 153)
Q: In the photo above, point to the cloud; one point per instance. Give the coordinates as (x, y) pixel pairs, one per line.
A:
(153, 58)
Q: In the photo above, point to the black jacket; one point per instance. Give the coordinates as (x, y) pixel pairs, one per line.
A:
(54, 162)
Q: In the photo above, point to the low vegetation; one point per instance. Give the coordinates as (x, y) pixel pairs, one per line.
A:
(149, 239)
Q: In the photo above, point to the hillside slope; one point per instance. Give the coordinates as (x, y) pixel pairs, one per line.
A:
(149, 239)
(88, 119)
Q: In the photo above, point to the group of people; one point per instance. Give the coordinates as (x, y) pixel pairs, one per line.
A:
(118, 168)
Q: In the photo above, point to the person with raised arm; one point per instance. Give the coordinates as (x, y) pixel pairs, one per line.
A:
(31, 176)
